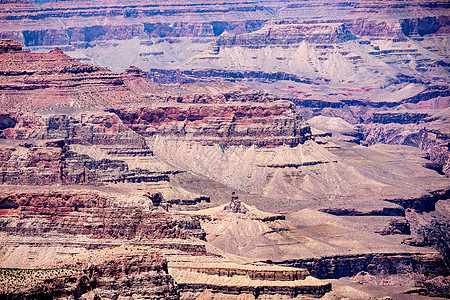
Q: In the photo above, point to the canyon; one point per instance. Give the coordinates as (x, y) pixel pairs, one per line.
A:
(193, 150)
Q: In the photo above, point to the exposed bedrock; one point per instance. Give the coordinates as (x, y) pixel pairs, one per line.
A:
(77, 127)
(45, 81)
(257, 291)
(240, 17)
(374, 264)
(28, 164)
(385, 111)
(426, 25)
(404, 117)
(9, 46)
(110, 275)
(431, 136)
(431, 229)
(425, 203)
(261, 124)
(255, 280)
(345, 211)
(89, 214)
(287, 33)
(83, 37)
(164, 76)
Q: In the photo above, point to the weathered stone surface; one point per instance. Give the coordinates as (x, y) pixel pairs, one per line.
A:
(77, 127)
(348, 66)
(404, 128)
(271, 124)
(43, 81)
(110, 274)
(336, 267)
(38, 165)
(91, 215)
(287, 33)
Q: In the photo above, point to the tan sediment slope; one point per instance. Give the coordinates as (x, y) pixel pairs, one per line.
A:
(299, 235)
(308, 174)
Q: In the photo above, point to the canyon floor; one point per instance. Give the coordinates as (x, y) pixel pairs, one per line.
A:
(238, 150)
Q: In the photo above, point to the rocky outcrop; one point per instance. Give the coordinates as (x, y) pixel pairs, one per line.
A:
(405, 128)
(426, 25)
(436, 287)
(262, 272)
(426, 203)
(400, 226)
(141, 274)
(256, 280)
(216, 75)
(91, 215)
(289, 33)
(264, 124)
(379, 263)
(31, 165)
(42, 81)
(9, 46)
(76, 127)
(431, 230)
(40, 165)
(138, 273)
(59, 133)
(404, 117)
(363, 211)
(227, 123)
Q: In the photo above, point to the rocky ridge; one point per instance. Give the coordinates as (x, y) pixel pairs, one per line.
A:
(43, 81)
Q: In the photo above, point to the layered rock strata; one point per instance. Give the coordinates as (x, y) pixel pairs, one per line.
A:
(287, 33)
(121, 147)
(223, 285)
(430, 134)
(144, 274)
(43, 81)
(75, 127)
(92, 215)
(271, 124)
(274, 238)
(399, 263)
(40, 165)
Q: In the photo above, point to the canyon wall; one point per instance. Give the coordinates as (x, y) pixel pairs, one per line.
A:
(144, 272)
(271, 124)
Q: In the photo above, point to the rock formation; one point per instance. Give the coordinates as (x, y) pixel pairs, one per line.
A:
(114, 185)
(143, 273)
(272, 124)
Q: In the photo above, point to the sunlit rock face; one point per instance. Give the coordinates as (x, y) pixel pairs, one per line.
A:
(127, 128)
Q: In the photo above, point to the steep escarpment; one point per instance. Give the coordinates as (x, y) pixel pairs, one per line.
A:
(31, 164)
(375, 264)
(144, 272)
(73, 127)
(93, 215)
(424, 26)
(404, 128)
(221, 119)
(271, 124)
(287, 33)
(108, 169)
(42, 81)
